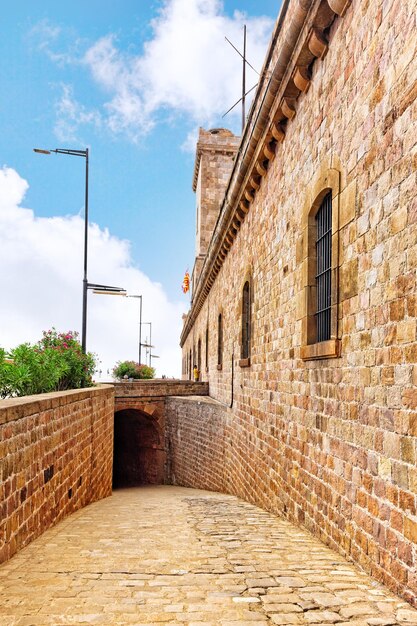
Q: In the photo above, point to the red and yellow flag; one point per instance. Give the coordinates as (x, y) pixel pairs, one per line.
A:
(186, 282)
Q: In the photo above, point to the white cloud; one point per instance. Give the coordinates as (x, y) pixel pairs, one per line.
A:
(46, 36)
(71, 116)
(190, 142)
(186, 68)
(41, 285)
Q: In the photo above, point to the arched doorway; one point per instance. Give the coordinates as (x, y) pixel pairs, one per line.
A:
(139, 454)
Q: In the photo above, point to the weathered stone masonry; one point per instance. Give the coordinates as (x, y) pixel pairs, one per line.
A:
(56, 456)
(324, 434)
(141, 450)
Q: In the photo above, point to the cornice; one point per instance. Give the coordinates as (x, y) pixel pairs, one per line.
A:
(298, 41)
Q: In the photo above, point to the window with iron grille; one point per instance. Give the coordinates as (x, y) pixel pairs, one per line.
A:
(220, 340)
(246, 321)
(324, 269)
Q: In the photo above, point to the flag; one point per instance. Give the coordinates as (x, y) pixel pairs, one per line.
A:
(186, 283)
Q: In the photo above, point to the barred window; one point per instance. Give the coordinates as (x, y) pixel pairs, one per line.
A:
(246, 321)
(220, 341)
(324, 269)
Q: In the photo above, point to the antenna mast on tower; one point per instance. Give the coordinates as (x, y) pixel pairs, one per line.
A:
(244, 92)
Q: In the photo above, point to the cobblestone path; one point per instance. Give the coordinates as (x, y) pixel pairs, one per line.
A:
(169, 555)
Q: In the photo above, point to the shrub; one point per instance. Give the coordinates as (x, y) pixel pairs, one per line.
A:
(130, 369)
(80, 366)
(55, 363)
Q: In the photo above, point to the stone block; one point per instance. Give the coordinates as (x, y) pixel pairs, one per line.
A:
(348, 281)
(347, 204)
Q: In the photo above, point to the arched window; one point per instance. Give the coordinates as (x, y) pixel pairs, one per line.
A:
(323, 222)
(220, 341)
(246, 321)
(326, 211)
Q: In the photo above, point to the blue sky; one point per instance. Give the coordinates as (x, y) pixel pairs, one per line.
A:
(133, 81)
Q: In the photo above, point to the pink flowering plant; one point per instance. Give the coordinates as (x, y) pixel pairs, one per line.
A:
(55, 363)
(131, 369)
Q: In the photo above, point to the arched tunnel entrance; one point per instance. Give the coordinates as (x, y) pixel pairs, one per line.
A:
(139, 454)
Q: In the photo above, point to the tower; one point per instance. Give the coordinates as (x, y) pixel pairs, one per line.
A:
(216, 149)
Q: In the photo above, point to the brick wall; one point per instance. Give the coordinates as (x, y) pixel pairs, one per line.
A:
(195, 442)
(331, 443)
(56, 456)
(158, 388)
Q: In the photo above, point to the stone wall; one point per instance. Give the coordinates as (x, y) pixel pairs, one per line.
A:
(56, 456)
(157, 388)
(195, 441)
(330, 442)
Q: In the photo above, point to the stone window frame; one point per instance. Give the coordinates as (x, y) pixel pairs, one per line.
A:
(220, 339)
(245, 359)
(327, 181)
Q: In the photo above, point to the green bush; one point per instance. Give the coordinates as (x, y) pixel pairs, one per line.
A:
(55, 363)
(130, 369)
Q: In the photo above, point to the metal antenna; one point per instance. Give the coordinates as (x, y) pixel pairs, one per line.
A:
(244, 79)
(244, 92)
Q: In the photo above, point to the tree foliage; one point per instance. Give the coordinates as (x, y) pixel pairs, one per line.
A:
(55, 363)
(130, 369)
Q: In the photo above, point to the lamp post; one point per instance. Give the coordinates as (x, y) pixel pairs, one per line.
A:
(84, 154)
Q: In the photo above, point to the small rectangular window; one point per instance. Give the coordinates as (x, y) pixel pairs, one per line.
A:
(246, 321)
(220, 341)
(199, 355)
(324, 269)
(207, 348)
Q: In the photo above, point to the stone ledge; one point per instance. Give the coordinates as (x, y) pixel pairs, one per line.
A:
(323, 350)
(17, 408)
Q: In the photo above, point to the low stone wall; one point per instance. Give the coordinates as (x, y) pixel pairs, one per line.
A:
(365, 514)
(160, 387)
(56, 456)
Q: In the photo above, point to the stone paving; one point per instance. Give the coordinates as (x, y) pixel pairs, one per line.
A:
(170, 555)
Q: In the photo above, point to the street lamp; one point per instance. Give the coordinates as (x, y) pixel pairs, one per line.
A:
(84, 154)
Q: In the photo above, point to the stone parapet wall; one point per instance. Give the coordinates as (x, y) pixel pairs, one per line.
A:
(161, 388)
(56, 456)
